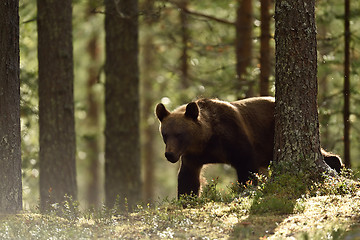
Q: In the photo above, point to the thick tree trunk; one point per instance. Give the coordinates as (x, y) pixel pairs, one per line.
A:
(347, 86)
(56, 102)
(243, 45)
(297, 142)
(10, 147)
(122, 147)
(265, 50)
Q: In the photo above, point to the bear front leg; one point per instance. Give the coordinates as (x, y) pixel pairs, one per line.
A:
(188, 179)
(243, 175)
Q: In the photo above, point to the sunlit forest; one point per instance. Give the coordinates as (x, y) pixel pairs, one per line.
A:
(187, 51)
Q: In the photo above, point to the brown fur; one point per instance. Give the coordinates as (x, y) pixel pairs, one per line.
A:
(333, 160)
(206, 131)
(213, 131)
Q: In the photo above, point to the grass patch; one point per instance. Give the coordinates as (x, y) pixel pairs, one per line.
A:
(275, 209)
(285, 193)
(273, 204)
(281, 195)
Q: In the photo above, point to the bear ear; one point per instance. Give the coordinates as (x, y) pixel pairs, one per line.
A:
(161, 111)
(192, 111)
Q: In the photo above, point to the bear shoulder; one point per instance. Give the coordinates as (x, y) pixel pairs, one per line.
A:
(257, 110)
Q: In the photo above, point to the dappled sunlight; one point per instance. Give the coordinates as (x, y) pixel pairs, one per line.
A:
(321, 215)
(224, 217)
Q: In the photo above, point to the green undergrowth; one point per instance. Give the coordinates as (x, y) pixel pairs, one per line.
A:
(280, 208)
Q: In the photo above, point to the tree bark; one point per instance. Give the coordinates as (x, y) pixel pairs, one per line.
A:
(56, 102)
(122, 147)
(297, 142)
(10, 139)
(265, 50)
(243, 44)
(346, 110)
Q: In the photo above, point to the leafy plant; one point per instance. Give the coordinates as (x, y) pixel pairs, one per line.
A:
(68, 209)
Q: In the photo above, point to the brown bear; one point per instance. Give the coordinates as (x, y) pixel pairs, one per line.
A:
(207, 131)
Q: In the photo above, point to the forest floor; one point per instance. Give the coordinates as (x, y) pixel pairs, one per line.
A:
(247, 216)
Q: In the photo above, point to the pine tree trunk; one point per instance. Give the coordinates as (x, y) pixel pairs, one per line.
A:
(243, 45)
(93, 117)
(265, 50)
(297, 142)
(122, 147)
(147, 109)
(56, 102)
(10, 147)
(185, 36)
(347, 87)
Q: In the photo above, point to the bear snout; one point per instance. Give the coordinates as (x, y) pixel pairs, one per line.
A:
(171, 157)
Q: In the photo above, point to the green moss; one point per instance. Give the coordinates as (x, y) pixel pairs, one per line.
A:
(281, 194)
(272, 204)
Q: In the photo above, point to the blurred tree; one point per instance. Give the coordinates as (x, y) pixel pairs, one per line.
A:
(323, 86)
(265, 50)
(185, 40)
(243, 44)
(346, 93)
(122, 147)
(56, 102)
(10, 139)
(297, 141)
(147, 98)
(330, 21)
(29, 104)
(93, 112)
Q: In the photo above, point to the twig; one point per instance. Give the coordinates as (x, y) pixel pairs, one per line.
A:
(186, 10)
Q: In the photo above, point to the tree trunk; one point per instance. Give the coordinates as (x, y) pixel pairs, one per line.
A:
(10, 147)
(185, 36)
(265, 50)
(347, 86)
(122, 147)
(147, 109)
(297, 142)
(243, 44)
(56, 102)
(93, 117)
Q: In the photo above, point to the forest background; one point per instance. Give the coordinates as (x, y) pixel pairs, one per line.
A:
(186, 51)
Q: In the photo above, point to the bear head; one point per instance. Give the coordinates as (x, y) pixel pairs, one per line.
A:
(182, 130)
